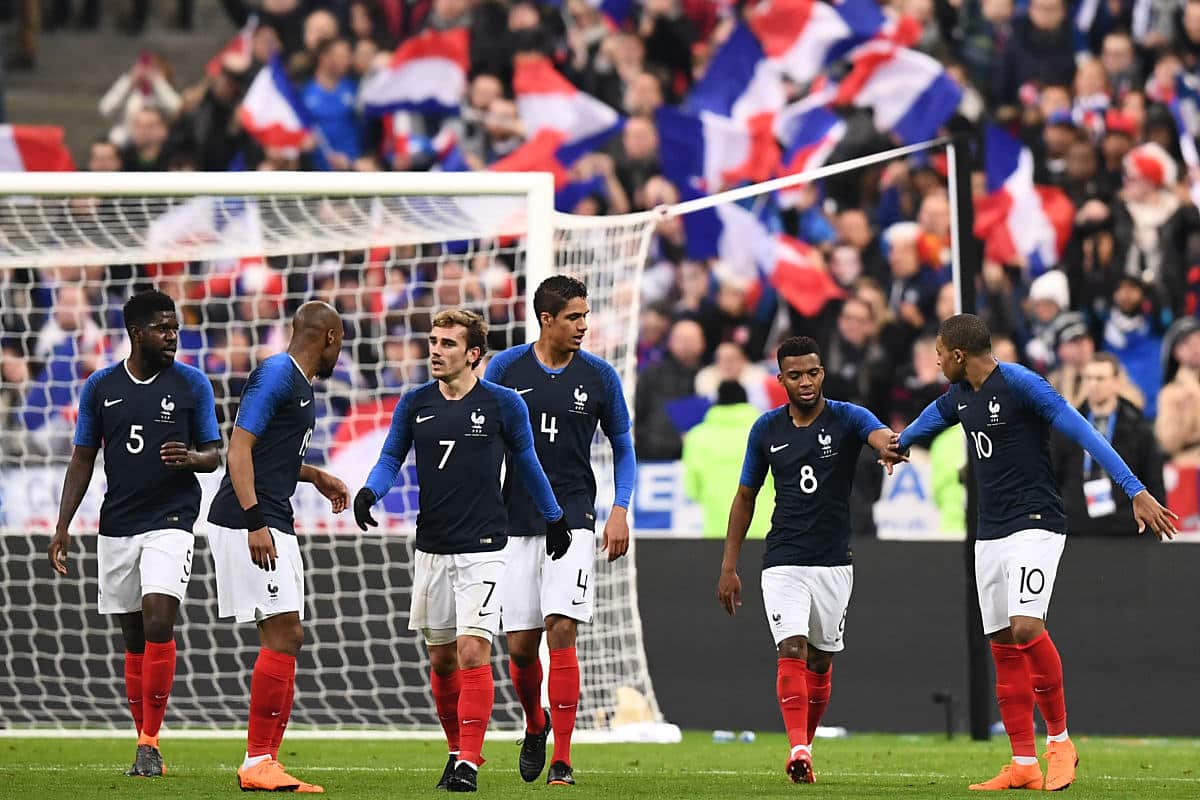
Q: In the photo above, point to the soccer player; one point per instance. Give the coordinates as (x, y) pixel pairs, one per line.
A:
(567, 392)
(811, 446)
(260, 575)
(157, 422)
(459, 427)
(1007, 412)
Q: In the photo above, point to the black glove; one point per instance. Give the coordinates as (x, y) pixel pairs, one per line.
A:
(362, 508)
(558, 538)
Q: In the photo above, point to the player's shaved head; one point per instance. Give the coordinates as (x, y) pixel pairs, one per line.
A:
(966, 332)
(315, 317)
(317, 337)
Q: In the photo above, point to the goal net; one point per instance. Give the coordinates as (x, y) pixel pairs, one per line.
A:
(239, 253)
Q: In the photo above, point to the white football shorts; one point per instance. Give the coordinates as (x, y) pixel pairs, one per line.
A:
(809, 602)
(154, 562)
(536, 586)
(457, 595)
(1015, 576)
(249, 593)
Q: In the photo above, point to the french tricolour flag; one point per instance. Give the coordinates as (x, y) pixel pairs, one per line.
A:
(1186, 110)
(34, 148)
(910, 93)
(802, 36)
(548, 101)
(740, 82)
(705, 153)
(240, 45)
(809, 132)
(427, 73)
(1020, 223)
(272, 111)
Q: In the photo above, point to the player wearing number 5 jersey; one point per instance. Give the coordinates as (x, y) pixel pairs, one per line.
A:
(568, 393)
(1007, 412)
(157, 423)
(811, 446)
(459, 427)
(260, 575)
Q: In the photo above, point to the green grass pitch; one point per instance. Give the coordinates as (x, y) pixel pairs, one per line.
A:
(863, 766)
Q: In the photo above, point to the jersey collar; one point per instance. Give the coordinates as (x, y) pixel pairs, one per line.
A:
(301, 369)
(147, 382)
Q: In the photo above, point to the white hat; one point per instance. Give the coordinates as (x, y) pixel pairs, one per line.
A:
(1051, 286)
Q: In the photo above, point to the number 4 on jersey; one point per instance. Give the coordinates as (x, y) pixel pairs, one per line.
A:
(549, 426)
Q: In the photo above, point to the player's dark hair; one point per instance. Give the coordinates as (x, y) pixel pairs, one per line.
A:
(477, 327)
(555, 292)
(142, 307)
(797, 346)
(966, 332)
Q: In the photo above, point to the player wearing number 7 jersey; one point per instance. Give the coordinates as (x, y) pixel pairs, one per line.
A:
(459, 427)
(1007, 412)
(811, 446)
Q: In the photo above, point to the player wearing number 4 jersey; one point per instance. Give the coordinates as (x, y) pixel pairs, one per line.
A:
(260, 576)
(811, 446)
(568, 392)
(157, 423)
(459, 427)
(1007, 412)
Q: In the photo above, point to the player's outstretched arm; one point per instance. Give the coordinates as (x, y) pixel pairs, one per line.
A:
(741, 512)
(937, 416)
(391, 459)
(75, 486)
(331, 487)
(887, 446)
(241, 475)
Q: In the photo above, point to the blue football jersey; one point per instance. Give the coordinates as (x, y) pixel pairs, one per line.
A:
(132, 419)
(459, 447)
(813, 468)
(565, 406)
(1008, 425)
(277, 407)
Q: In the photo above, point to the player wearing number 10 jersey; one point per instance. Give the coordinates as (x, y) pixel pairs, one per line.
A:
(811, 446)
(459, 427)
(157, 423)
(568, 392)
(1007, 412)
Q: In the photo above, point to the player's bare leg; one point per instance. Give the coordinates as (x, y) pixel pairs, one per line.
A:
(272, 687)
(525, 669)
(445, 680)
(791, 687)
(1015, 697)
(474, 709)
(563, 690)
(149, 672)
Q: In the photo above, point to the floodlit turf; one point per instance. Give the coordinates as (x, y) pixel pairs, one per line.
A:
(864, 766)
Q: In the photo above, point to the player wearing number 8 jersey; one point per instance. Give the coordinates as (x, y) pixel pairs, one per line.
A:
(1007, 412)
(157, 423)
(459, 427)
(811, 446)
(568, 393)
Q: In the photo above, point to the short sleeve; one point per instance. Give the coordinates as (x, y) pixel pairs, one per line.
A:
(204, 412)
(88, 429)
(614, 419)
(754, 466)
(267, 389)
(498, 365)
(860, 420)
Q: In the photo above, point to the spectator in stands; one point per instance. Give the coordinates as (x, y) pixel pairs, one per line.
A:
(916, 384)
(731, 364)
(70, 321)
(853, 228)
(1177, 426)
(674, 378)
(1049, 296)
(319, 26)
(1093, 505)
(14, 373)
(1119, 58)
(636, 154)
(914, 288)
(1040, 51)
(502, 134)
(210, 128)
(330, 98)
(103, 156)
(146, 83)
(856, 366)
(1075, 348)
(712, 461)
(1133, 335)
(654, 325)
(147, 149)
(1187, 35)
(668, 38)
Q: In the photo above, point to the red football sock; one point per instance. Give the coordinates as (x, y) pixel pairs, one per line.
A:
(818, 697)
(446, 689)
(791, 687)
(474, 711)
(133, 687)
(284, 715)
(270, 688)
(563, 688)
(158, 673)
(1014, 695)
(1046, 673)
(527, 681)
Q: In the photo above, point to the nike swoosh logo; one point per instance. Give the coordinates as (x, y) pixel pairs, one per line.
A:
(160, 697)
(563, 707)
(110, 403)
(135, 700)
(488, 614)
(470, 722)
(421, 419)
(775, 448)
(578, 602)
(274, 713)
(961, 406)
(524, 391)
(1030, 600)
(789, 699)
(303, 403)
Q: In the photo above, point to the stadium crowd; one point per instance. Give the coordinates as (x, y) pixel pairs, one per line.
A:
(1093, 91)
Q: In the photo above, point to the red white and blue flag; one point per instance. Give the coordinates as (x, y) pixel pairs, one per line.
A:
(272, 112)
(1018, 221)
(240, 45)
(34, 148)
(809, 131)
(739, 82)
(427, 73)
(909, 93)
(705, 153)
(802, 37)
(548, 101)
